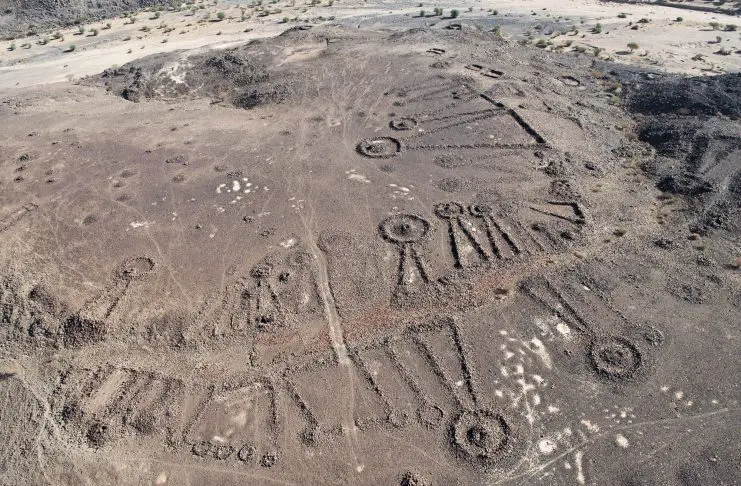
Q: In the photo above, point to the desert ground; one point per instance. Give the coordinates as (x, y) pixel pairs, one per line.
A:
(354, 243)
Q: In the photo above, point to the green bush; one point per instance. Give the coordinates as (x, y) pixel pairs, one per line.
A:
(221, 16)
(454, 14)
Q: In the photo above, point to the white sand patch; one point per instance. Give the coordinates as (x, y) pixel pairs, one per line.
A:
(141, 224)
(622, 441)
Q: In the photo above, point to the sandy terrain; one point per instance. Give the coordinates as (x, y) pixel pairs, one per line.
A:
(376, 250)
(688, 46)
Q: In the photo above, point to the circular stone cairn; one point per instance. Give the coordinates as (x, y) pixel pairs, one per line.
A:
(448, 210)
(203, 448)
(135, 268)
(615, 358)
(482, 435)
(653, 336)
(247, 453)
(480, 210)
(379, 147)
(403, 123)
(430, 415)
(404, 228)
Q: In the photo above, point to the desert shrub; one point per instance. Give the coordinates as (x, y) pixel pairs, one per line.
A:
(107, 26)
(93, 32)
(454, 14)
(622, 16)
(632, 46)
(541, 43)
(679, 19)
(644, 21)
(221, 16)
(71, 48)
(597, 29)
(11, 47)
(714, 25)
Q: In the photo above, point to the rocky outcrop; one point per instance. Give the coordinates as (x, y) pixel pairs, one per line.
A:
(19, 17)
